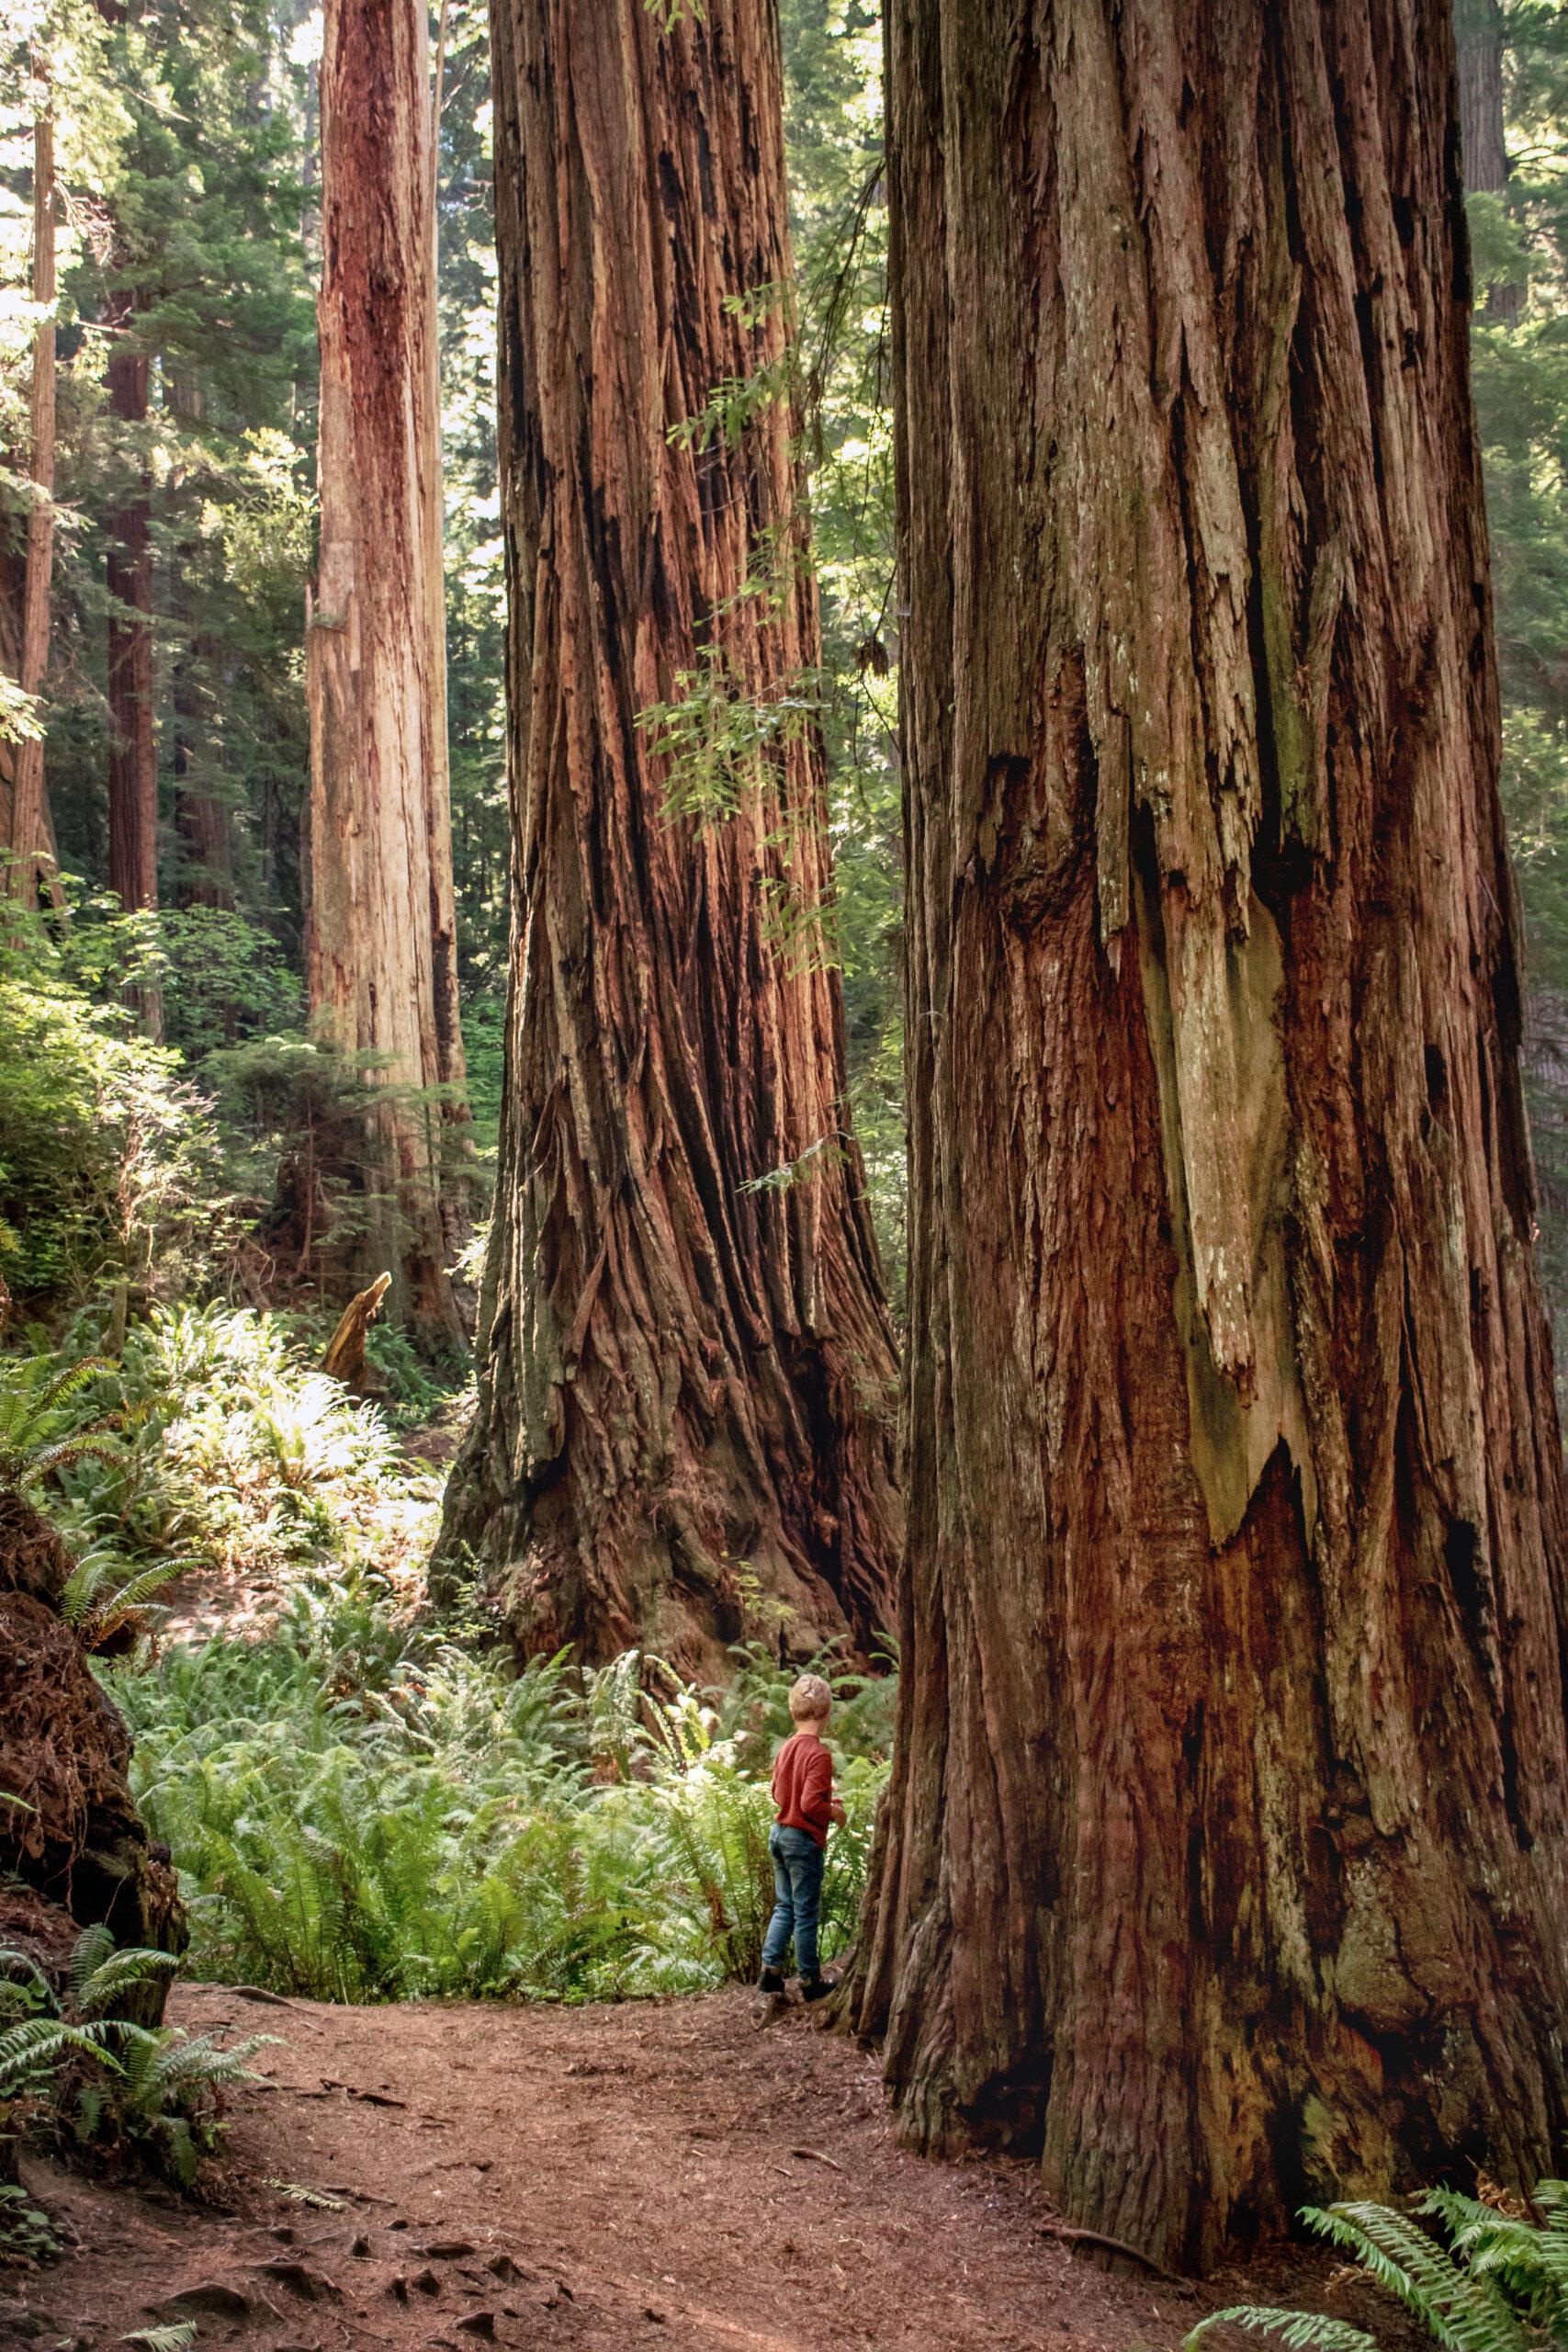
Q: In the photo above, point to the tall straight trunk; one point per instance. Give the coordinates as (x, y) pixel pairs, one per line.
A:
(683, 1427)
(380, 929)
(1478, 35)
(1478, 38)
(28, 834)
(201, 818)
(133, 750)
(1223, 1860)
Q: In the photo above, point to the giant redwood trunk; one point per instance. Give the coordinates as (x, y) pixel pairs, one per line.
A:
(684, 1425)
(380, 929)
(1223, 1860)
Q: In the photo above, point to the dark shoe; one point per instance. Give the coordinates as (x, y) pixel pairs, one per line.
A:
(770, 1981)
(816, 1988)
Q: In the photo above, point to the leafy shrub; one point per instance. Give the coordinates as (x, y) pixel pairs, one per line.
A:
(107, 1164)
(1500, 2283)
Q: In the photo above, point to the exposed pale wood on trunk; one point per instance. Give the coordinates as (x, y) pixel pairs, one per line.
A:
(380, 938)
(1225, 1856)
(684, 1382)
(344, 1358)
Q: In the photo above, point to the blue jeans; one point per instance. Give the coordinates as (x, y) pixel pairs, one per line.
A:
(797, 1898)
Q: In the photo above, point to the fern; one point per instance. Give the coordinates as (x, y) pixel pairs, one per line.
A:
(1500, 2284)
(31, 2051)
(364, 1813)
(1301, 2331)
(1460, 2309)
(38, 1432)
(172, 2337)
(100, 1985)
(106, 1595)
(153, 2087)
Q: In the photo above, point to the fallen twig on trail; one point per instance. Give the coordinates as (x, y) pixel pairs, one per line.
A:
(1071, 2236)
(817, 2157)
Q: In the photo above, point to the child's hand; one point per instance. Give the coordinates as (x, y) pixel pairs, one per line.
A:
(836, 1813)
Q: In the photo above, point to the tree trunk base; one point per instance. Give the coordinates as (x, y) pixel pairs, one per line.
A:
(80, 1847)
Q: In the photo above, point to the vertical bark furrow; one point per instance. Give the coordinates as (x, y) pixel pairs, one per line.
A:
(1224, 1856)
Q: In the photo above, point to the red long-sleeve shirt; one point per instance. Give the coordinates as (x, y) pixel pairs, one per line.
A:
(803, 1786)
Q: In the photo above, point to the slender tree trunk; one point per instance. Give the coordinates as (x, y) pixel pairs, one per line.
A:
(201, 818)
(381, 939)
(29, 834)
(1224, 1856)
(684, 1429)
(1478, 32)
(133, 750)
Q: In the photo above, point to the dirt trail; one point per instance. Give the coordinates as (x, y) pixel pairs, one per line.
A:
(656, 2173)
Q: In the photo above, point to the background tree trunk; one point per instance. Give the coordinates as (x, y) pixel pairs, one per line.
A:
(206, 874)
(1224, 1856)
(29, 834)
(684, 1419)
(133, 750)
(381, 930)
(1478, 36)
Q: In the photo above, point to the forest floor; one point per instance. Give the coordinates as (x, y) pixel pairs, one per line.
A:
(607, 2177)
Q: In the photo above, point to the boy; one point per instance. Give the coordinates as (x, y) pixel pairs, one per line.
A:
(803, 1793)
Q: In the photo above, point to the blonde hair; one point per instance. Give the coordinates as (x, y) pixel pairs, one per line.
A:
(809, 1697)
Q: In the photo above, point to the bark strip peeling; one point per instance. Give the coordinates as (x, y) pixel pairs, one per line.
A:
(684, 1418)
(1224, 1856)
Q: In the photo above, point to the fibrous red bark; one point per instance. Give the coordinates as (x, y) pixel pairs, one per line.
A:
(380, 926)
(684, 1429)
(1224, 1862)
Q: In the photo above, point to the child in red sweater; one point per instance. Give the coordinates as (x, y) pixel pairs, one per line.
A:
(802, 1795)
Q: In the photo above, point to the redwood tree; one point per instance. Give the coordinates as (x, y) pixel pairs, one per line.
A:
(28, 834)
(133, 752)
(1224, 1856)
(1478, 40)
(686, 1359)
(380, 932)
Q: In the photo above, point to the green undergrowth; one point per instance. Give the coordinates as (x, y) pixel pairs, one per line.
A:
(365, 1810)
(1478, 2273)
(225, 1449)
(364, 1804)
